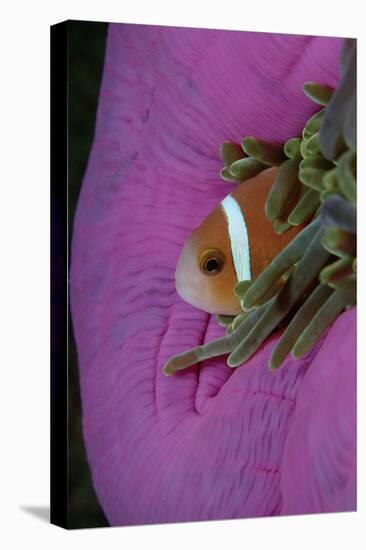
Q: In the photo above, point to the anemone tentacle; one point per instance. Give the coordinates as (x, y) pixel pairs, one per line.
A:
(315, 186)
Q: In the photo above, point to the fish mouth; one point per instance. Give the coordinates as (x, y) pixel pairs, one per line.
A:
(197, 297)
(204, 301)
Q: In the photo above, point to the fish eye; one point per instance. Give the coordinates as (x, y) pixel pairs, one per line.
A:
(212, 262)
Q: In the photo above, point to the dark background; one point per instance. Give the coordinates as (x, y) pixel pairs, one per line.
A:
(86, 57)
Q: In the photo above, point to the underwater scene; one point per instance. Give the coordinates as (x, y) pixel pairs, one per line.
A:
(213, 270)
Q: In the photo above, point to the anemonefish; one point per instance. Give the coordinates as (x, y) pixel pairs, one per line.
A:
(234, 243)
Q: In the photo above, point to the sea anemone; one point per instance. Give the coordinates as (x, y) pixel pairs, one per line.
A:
(213, 442)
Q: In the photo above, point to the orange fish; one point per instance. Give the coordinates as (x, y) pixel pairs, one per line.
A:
(234, 243)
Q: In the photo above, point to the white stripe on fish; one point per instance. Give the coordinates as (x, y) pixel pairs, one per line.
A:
(239, 239)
